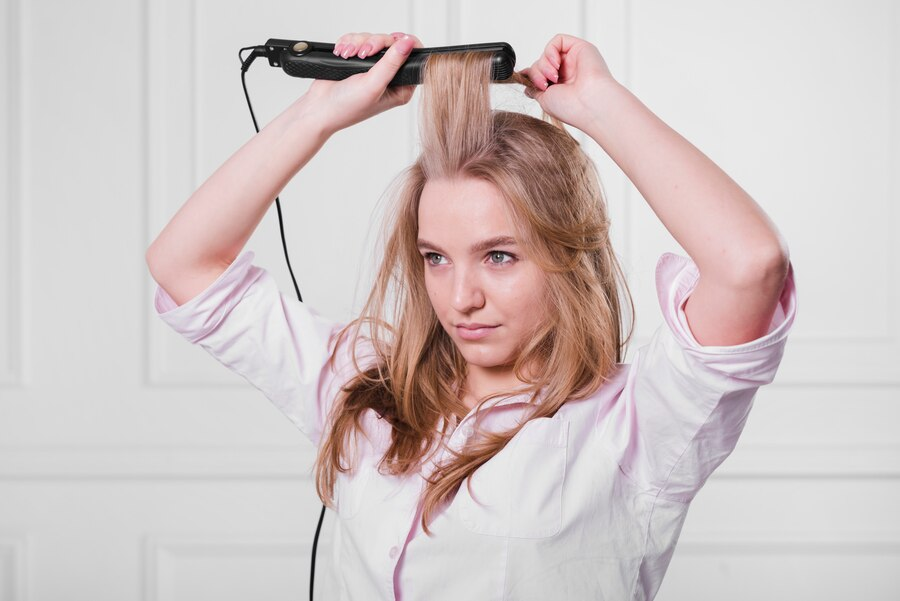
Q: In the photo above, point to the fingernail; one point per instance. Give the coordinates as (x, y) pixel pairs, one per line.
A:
(402, 48)
(365, 50)
(337, 49)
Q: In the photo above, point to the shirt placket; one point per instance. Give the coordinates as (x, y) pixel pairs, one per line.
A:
(460, 436)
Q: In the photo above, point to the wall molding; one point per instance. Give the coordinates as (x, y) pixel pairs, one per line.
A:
(12, 355)
(162, 555)
(14, 565)
(776, 545)
(130, 462)
(294, 463)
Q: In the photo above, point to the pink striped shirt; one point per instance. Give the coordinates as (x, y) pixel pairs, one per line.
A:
(587, 504)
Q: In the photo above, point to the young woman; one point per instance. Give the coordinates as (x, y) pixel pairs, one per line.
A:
(477, 432)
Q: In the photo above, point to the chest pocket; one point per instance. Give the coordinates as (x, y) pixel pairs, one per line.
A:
(350, 491)
(518, 493)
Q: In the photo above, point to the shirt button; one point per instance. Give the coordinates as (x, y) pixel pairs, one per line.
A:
(394, 552)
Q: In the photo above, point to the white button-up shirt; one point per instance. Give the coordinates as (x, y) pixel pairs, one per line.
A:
(587, 504)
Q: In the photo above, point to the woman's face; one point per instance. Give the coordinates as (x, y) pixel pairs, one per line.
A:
(486, 293)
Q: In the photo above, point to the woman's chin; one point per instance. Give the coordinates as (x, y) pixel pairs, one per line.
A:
(487, 361)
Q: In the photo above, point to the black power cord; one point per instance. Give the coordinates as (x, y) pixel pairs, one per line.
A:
(245, 64)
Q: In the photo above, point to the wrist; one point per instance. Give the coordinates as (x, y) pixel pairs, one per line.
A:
(603, 101)
(302, 116)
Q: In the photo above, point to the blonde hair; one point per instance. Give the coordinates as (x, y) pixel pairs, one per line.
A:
(553, 191)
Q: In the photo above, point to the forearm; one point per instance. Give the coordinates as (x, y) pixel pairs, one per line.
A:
(718, 224)
(210, 229)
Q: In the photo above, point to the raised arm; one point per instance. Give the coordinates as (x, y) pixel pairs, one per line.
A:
(741, 256)
(212, 227)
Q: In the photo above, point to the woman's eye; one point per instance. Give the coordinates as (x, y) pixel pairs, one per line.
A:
(497, 257)
(433, 258)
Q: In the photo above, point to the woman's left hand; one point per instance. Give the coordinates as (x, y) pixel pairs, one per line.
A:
(568, 77)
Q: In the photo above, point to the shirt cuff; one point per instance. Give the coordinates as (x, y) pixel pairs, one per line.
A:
(200, 315)
(676, 279)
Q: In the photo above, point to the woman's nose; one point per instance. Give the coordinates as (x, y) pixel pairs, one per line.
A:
(467, 292)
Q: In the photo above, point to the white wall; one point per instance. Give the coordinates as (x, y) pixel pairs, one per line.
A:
(133, 466)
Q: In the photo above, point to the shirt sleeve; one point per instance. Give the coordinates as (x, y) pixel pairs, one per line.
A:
(278, 344)
(687, 403)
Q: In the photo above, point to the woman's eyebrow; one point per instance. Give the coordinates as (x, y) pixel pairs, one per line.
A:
(475, 248)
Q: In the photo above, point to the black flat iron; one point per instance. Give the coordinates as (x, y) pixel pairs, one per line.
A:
(316, 60)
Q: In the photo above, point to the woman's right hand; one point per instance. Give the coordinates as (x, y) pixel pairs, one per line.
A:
(347, 102)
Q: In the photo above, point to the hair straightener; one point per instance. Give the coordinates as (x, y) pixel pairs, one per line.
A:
(315, 60)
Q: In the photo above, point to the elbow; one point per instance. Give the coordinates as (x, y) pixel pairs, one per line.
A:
(150, 257)
(768, 262)
(155, 261)
(775, 259)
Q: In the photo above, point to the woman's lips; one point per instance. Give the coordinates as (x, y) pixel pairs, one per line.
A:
(474, 332)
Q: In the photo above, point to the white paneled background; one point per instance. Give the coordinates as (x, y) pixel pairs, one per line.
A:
(135, 467)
